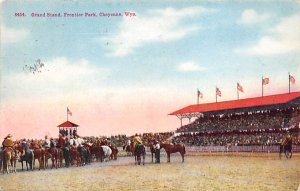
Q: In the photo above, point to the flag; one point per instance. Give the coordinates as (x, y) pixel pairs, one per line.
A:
(200, 95)
(69, 112)
(218, 92)
(292, 79)
(265, 81)
(240, 88)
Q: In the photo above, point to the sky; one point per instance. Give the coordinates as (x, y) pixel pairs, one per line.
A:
(125, 74)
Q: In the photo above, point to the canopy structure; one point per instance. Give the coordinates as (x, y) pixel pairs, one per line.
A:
(68, 124)
(68, 128)
(279, 101)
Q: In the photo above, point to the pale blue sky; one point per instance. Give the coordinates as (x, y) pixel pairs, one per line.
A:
(167, 51)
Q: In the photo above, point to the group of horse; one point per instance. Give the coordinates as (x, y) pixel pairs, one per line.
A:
(71, 155)
(139, 151)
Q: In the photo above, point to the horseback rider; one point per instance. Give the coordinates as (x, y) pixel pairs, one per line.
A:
(52, 143)
(136, 140)
(157, 151)
(8, 142)
(46, 143)
(288, 140)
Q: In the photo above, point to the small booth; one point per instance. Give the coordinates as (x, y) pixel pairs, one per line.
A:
(68, 128)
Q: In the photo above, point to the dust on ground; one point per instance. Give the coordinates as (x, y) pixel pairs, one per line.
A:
(200, 171)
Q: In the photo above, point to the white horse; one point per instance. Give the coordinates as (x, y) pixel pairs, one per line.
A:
(107, 152)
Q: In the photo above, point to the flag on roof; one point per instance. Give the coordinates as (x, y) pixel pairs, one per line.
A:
(292, 79)
(200, 95)
(265, 81)
(239, 87)
(218, 92)
(69, 112)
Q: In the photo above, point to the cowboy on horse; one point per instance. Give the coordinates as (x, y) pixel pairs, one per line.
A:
(136, 140)
(286, 146)
(8, 142)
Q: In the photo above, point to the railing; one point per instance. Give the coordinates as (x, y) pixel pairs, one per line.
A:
(296, 148)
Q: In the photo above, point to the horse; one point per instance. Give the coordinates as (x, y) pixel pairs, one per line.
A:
(171, 148)
(53, 154)
(114, 154)
(152, 150)
(286, 149)
(10, 157)
(97, 152)
(39, 153)
(75, 156)
(67, 156)
(28, 155)
(128, 150)
(107, 152)
(1, 158)
(84, 155)
(139, 152)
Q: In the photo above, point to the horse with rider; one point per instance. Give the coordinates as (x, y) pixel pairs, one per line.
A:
(286, 147)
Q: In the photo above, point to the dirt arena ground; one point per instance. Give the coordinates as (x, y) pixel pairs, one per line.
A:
(200, 171)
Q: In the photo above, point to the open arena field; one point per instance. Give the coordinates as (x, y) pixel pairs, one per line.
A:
(200, 171)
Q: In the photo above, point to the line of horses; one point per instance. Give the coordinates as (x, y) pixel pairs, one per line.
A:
(139, 151)
(71, 155)
(78, 156)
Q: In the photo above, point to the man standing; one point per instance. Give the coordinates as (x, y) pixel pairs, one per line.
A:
(157, 152)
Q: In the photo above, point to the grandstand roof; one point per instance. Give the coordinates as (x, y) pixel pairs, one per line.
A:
(243, 105)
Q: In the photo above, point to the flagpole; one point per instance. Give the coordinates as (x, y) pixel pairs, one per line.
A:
(198, 96)
(289, 83)
(67, 114)
(237, 90)
(216, 95)
(262, 86)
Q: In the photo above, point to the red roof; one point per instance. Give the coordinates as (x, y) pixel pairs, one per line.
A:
(235, 104)
(68, 124)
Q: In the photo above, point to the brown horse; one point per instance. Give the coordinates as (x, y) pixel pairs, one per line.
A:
(152, 150)
(39, 153)
(170, 148)
(97, 152)
(52, 153)
(10, 157)
(114, 154)
(75, 156)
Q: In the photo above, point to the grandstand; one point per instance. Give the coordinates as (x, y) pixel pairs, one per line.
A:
(259, 121)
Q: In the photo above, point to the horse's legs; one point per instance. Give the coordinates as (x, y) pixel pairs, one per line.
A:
(144, 154)
(182, 155)
(286, 154)
(152, 156)
(169, 157)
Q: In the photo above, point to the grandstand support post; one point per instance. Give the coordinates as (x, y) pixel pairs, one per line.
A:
(180, 117)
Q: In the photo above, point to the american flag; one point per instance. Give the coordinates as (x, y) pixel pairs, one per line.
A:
(265, 81)
(292, 79)
(239, 87)
(200, 95)
(218, 92)
(69, 112)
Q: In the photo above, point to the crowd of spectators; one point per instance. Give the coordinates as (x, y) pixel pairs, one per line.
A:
(147, 138)
(267, 127)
